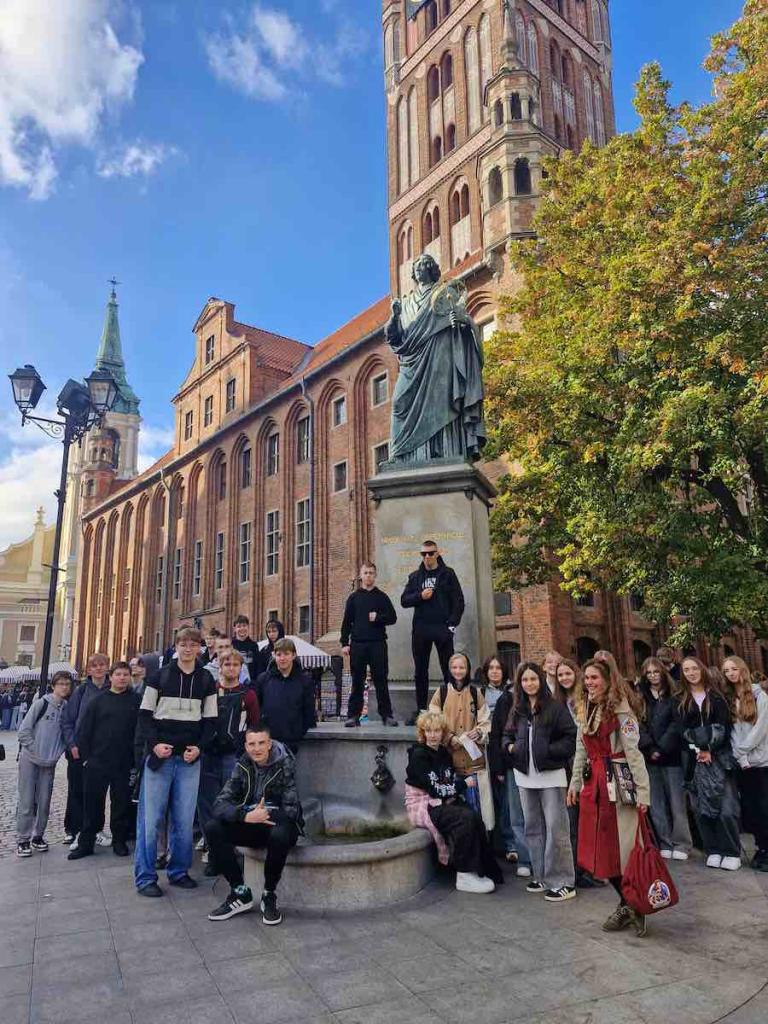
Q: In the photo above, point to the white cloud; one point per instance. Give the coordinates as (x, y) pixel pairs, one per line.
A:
(153, 442)
(62, 68)
(136, 159)
(261, 56)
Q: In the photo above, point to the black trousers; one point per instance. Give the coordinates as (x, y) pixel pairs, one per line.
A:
(362, 655)
(753, 789)
(73, 815)
(467, 840)
(421, 645)
(224, 836)
(98, 778)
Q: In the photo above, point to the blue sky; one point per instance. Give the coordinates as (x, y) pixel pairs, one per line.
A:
(209, 147)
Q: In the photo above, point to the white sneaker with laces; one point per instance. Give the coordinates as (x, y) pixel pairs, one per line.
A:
(523, 871)
(714, 860)
(467, 881)
(679, 855)
(103, 839)
(666, 854)
(73, 844)
(730, 863)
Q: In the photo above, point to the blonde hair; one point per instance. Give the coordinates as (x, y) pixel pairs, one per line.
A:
(744, 705)
(429, 720)
(233, 653)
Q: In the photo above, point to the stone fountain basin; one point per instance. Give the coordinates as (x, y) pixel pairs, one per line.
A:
(331, 869)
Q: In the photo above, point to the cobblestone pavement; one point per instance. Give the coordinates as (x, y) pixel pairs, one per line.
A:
(55, 831)
(76, 943)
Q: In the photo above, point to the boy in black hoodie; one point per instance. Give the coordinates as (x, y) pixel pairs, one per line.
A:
(248, 648)
(105, 739)
(274, 631)
(367, 614)
(286, 697)
(435, 594)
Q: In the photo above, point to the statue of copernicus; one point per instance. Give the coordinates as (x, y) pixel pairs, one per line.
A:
(437, 404)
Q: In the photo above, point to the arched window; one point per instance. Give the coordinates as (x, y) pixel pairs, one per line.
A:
(427, 228)
(433, 84)
(598, 111)
(455, 207)
(498, 113)
(555, 63)
(558, 127)
(522, 177)
(495, 187)
(588, 108)
(567, 70)
(520, 33)
(471, 62)
(486, 65)
(465, 201)
(436, 222)
(533, 48)
(569, 137)
(586, 648)
(402, 144)
(413, 135)
(450, 138)
(437, 149)
(446, 71)
(515, 107)
(431, 16)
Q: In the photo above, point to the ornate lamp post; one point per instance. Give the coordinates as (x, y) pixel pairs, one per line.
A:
(80, 406)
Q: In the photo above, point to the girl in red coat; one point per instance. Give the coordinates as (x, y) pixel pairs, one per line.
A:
(607, 742)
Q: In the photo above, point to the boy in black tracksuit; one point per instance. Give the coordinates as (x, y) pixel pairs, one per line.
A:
(105, 738)
(435, 594)
(367, 614)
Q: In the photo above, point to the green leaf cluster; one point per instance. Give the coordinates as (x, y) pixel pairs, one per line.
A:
(630, 393)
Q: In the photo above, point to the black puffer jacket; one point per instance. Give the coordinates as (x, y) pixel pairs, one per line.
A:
(499, 759)
(661, 730)
(552, 732)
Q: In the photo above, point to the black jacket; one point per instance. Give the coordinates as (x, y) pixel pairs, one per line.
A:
(275, 782)
(287, 703)
(707, 727)
(249, 650)
(106, 731)
(445, 607)
(553, 734)
(264, 656)
(356, 625)
(661, 730)
(499, 759)
(432, 771)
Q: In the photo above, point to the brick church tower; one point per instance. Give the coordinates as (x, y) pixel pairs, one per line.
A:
(479, 92)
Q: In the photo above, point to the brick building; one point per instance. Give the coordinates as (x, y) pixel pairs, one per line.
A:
(261, 505)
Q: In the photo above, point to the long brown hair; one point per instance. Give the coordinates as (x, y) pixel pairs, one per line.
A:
(744, 706)
(575, 693)
(621, 684)
(617, 691)
(686, 700)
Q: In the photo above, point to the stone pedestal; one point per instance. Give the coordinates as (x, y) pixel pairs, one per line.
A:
(447, 502)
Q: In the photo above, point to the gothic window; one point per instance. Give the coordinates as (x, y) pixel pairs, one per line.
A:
(520, 33)
(554, 61)
(436, 222)
(588, 106)
(567, 70)
(522, 177)
(379, 389)
(273, 454)
(515, 107)
(486, 67)
(597, 27)
(598, 112)
(498, 113)
(218, 562)
(302, 440)
(465, 201)
(437, 149)
(402, 143)
(495, 186)
(302, 533)
(471, 63)
(533, 49)
(339, 411)
(446, 71)
(428, 228)
(413, 136)
(221, 480)
(245, 553)
(245, 468)
(273, 543)
(431, 16)
(433, 84)
(455, 207)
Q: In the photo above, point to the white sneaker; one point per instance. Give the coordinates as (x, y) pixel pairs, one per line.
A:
(103, 839)
(730, 863)
(200, 844)
(73, 844)
(714, 860)
(666, 854)
(467, 881)
(679, 855)
(204, 858)
(523, 871)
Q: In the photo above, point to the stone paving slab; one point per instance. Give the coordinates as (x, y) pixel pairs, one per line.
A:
(76, 943)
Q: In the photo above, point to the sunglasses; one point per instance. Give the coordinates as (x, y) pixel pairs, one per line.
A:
(426, 554)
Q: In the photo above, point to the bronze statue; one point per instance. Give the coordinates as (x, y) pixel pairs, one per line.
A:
(437, 404)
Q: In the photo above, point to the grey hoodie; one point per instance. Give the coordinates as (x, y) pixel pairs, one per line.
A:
(40, 733)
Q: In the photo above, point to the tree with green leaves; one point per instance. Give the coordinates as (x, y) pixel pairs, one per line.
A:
(631, 392)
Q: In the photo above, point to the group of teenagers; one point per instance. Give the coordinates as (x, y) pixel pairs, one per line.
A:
(557, 765)
(200, 744)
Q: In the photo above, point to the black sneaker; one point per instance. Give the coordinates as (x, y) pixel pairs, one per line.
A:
(183, 882)
(120, 848)
(352, 722)
(239, 901)
(39, 844)
(389, 720)
(269, 910)
(152, 890)
(79, 852)
(565, 892)
(24, 849)
(534, 886)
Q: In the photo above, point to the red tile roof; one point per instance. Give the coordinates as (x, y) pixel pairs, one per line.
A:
(275, 349)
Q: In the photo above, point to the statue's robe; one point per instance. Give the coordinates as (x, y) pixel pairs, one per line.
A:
(437, 404)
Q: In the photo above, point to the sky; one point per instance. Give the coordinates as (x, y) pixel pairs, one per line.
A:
(195, 148)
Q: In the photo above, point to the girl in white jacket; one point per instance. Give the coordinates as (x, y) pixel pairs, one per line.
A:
(749, 743)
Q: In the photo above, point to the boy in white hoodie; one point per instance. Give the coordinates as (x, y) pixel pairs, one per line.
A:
(41, 744)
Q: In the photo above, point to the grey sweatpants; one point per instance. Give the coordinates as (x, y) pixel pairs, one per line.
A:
(668, 811)
(35, 789)
(547, 836)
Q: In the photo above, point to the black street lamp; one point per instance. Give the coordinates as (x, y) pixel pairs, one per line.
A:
(80, 407)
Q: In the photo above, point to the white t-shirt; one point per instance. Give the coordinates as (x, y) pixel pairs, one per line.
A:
(700, 697)
(555, 778)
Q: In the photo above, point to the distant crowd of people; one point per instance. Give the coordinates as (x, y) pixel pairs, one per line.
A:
(15, 699)
(548, 772)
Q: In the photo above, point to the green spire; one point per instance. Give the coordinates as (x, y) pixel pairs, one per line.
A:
(110, 357)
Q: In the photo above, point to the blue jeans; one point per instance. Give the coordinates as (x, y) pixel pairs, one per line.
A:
(6, 718)
(174, 787)
(215, 770)
(513, 823)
